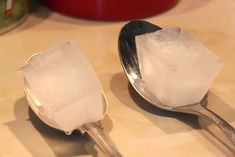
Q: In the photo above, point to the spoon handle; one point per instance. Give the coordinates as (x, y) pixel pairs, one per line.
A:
(198, 109)
(103, 141)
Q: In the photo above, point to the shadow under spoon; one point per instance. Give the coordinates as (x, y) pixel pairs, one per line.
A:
(128, 56)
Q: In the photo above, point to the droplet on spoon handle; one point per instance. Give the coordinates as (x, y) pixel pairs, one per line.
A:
(103, 141)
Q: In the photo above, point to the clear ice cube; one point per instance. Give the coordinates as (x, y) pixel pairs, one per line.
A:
(176, 68)
(66, 85)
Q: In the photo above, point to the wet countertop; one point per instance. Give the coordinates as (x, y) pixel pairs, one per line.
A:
(136, 127)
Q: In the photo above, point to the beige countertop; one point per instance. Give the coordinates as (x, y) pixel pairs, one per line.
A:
(137, 128)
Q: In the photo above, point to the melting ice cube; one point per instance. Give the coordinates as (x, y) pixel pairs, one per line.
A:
(177, 69)
(66, 86)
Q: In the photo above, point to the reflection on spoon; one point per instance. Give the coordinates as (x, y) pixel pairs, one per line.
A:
(129, 60)
(93, 129)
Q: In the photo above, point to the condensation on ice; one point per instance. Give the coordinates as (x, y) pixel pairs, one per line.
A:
(66, 85)
(177, 68)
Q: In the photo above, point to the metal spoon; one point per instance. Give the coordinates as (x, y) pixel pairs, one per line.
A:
(129, 60)
(93, 129)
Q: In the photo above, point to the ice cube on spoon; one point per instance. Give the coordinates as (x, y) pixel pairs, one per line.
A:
(64, 91)
(177, 68)
(130, 60)
(66, 85)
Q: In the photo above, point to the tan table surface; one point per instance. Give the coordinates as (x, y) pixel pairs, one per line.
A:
(137, 128)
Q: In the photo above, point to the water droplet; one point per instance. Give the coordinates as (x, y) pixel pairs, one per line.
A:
(68, 132)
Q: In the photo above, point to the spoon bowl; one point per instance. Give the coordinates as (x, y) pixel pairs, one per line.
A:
(34, 103)
(129, 60)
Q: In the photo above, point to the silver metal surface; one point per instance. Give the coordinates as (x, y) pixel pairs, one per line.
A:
(129, 60)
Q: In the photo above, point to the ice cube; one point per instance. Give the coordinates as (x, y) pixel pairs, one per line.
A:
(66, 86)
(176, 68)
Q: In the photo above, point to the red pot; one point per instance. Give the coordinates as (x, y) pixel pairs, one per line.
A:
(110, 9)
